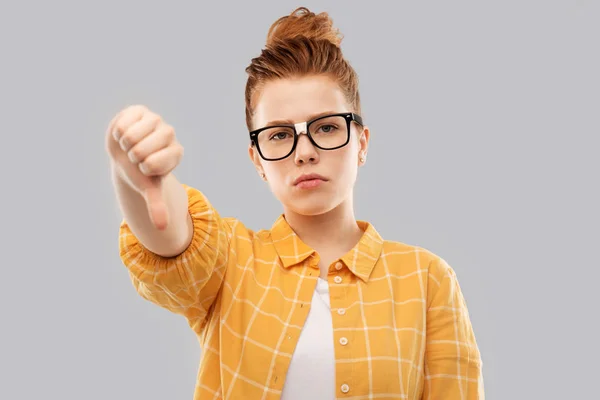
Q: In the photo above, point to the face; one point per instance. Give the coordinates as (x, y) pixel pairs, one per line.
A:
(300, 100)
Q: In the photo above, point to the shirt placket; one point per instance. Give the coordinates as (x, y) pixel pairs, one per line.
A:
(339, 278)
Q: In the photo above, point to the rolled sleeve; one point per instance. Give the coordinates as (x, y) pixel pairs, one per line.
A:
(186, 284)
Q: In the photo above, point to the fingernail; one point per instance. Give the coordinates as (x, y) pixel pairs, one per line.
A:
(115, 134)
(143, 168)
(132, 158)
(124, 144)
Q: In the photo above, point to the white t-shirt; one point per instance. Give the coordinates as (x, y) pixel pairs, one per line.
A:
(311, 374)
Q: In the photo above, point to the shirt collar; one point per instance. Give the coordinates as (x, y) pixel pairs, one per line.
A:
(360, 260)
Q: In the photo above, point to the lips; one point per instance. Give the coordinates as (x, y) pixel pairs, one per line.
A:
(309, 177)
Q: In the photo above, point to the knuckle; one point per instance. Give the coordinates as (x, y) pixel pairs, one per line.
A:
(138, 108)
(169, 132)
(120, 127)
(155, 118)
(152, 165)
(171, 139)
(133, 113)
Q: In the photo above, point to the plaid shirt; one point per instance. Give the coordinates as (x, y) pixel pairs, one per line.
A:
(400, 322)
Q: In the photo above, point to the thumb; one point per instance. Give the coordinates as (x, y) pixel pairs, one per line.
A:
(155, 203)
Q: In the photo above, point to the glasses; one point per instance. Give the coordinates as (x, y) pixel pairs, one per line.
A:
(328, 132)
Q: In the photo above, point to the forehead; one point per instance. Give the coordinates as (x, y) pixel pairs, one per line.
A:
(297, 99)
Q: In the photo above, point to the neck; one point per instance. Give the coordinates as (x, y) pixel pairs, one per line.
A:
(336, 230)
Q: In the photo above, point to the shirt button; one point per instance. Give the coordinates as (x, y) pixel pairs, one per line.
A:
(345, 388)
(338, 266)
(343, 341)
(337, 279)
(341, 311)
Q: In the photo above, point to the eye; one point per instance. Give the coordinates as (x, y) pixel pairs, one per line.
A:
(327, 128)
(279, 135)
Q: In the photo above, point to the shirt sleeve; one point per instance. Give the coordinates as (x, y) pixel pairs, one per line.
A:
(453, 365)
(186, 284)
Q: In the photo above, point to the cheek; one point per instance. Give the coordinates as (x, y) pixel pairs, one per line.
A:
(276, 173)
(347, 160)
(348, 168)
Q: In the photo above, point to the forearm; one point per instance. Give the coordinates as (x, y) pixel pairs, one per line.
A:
(169, 242)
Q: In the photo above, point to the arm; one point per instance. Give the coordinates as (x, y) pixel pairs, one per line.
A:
(178, 234)
(187, 274)
(453, 365)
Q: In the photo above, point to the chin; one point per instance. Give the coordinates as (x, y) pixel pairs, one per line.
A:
(311, 205)
(310, 202)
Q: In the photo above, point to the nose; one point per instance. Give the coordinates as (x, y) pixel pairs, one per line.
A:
(305, 151)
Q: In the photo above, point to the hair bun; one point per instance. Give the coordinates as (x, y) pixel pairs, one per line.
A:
(305, 23)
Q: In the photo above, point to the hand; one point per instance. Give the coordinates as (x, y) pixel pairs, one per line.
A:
(144, 150)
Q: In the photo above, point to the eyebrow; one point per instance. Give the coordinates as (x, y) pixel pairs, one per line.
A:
(290, 122)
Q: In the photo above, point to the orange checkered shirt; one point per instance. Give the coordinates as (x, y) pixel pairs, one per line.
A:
(247, 294)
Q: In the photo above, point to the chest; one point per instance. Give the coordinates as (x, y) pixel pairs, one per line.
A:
(376, 328)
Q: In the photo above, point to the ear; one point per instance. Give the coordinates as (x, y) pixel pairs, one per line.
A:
(255, 159)
(363, 145)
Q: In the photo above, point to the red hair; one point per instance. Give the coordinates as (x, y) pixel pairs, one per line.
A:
(302, 43)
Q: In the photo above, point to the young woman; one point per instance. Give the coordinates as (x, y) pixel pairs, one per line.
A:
(319, 306)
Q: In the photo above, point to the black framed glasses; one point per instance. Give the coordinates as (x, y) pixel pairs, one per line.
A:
(327, 132)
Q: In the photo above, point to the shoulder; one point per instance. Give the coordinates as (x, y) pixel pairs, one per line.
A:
(413, 257)
(419, 257)
(257, 238)
(408, 260)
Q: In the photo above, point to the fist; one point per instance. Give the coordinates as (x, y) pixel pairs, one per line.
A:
(144, 150)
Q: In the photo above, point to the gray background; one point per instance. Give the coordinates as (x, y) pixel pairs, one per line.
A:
(484, 121)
